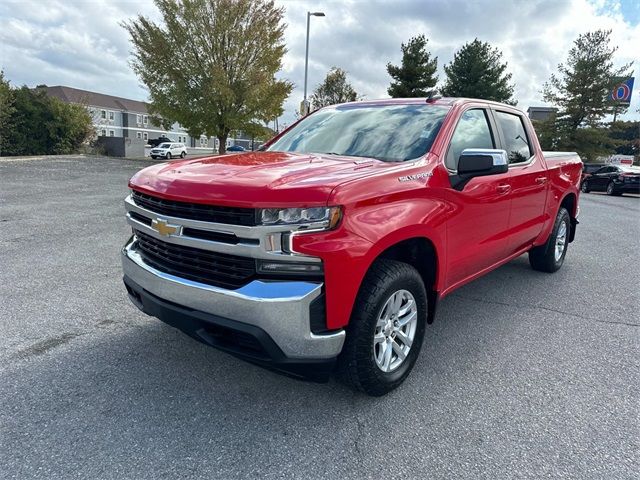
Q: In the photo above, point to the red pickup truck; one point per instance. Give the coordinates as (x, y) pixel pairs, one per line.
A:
(330, 249)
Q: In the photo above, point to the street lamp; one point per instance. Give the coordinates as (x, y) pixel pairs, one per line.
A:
(305, 103)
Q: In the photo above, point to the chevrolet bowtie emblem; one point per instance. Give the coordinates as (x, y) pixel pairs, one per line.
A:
(163, 228)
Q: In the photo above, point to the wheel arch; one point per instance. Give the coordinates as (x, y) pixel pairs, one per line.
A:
(421, 253)
(570, 202)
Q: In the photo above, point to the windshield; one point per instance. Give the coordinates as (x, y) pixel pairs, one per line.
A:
(392, 133)
(165, 145)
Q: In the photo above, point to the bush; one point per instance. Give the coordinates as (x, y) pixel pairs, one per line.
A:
(43, 125)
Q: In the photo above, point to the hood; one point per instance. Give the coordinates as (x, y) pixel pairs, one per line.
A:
(255, 179)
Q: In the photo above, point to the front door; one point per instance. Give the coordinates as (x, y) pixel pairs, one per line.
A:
(477, 231)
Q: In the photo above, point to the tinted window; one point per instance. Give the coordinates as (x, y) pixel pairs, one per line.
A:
(515, 137)
(165, 145)
(385, 132)
(472, 131)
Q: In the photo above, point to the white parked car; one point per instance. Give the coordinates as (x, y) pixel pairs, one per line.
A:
(169, 150)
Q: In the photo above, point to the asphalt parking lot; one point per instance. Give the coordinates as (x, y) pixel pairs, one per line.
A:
(523, 374)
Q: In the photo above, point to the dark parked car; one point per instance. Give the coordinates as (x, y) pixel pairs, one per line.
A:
(589, 168)
(236, 148)
(613, 179)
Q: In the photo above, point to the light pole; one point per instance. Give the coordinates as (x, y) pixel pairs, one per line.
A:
(305, 103)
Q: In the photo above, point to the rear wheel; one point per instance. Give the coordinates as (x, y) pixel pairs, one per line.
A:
(386, 330)
(611, 190)
(183, 154)
(550, 256)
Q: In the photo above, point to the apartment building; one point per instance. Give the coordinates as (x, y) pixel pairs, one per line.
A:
(124, 126)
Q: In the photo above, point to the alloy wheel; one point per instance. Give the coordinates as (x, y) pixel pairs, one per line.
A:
(395, 330)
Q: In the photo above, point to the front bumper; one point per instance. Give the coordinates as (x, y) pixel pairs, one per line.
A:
(276, 314)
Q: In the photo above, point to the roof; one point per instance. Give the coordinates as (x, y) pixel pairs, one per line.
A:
(542, 109)
(447, 101)
(95, 99)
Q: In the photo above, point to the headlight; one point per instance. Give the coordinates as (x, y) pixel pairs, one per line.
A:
(327, 217)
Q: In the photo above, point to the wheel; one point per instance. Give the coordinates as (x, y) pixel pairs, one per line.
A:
(183, 154)
(386, 330)
(168, 156)
(611, 190)
(154, 157)
(584, 188)
(550, 256)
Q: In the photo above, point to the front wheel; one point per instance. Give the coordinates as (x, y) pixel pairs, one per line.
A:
(386, 330)
(550, 256)
(584, 188)
(168, 156)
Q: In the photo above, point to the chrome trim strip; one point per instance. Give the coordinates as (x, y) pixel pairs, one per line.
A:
(269, 237)
(280, 308)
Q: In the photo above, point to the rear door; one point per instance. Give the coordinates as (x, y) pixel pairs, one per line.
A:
(527, 177)
(477, 232)
(601, 178)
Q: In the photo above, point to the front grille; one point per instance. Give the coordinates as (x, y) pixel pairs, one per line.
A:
(196, 211)
(211, 268)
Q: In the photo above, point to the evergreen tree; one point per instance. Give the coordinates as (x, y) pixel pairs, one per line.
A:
(582, 86)
(477, 71)
(6, 110)
(416, 76)
(334, 89)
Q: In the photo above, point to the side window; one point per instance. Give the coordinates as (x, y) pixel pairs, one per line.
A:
(515, 137)
(472, 131)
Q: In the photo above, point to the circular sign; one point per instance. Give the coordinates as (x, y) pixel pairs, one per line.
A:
(621, 92)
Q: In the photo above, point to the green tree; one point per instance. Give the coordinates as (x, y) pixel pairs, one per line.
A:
(580, 90)
(582, 85)
(627, 136)
(42, 125)
(416, 75)
(210, 64)
(477, 71)
(334, 89)
(6, 109)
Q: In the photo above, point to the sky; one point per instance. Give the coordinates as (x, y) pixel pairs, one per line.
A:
(80, 43)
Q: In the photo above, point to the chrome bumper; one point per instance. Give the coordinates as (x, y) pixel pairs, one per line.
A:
(280, 308)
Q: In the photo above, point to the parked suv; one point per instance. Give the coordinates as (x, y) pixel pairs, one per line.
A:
(169, 150)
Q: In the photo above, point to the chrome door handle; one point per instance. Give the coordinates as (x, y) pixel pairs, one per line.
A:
(503, 188)
(541, 180)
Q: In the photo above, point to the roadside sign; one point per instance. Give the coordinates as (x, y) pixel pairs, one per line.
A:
(620, 160)
(621, 93)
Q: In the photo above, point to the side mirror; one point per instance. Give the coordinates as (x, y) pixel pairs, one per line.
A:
(475, 162)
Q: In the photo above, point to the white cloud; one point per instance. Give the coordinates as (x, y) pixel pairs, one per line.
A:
(81, 44)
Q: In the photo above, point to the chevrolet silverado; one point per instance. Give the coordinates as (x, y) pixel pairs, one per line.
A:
(330, 249)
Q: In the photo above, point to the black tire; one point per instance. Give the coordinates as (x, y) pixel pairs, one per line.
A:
(584, 188)
(357, 364)
(611, 190)
(154, 157)
(182, 155)
(543, 258)
(168, 156)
